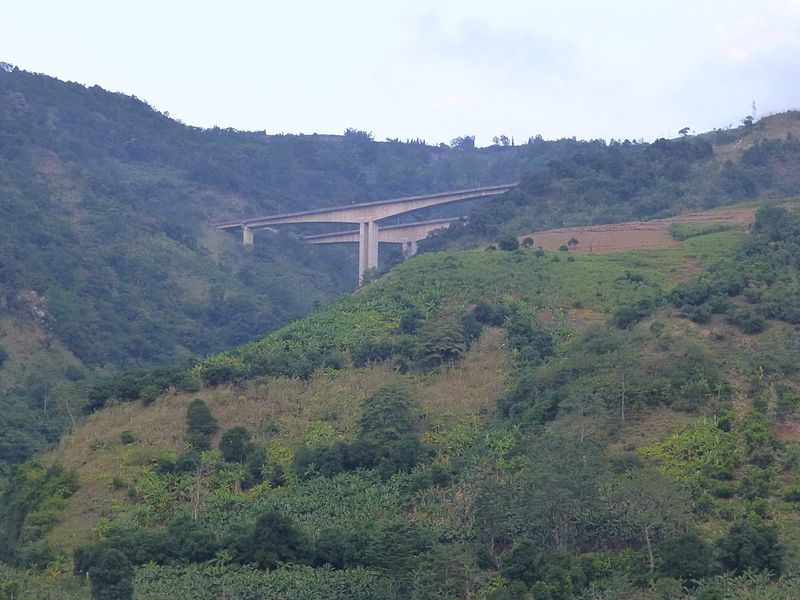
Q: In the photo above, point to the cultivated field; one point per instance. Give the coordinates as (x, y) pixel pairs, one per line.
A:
(635, 235)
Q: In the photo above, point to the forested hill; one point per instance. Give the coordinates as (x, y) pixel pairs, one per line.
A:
(107, 256)
(625, 181)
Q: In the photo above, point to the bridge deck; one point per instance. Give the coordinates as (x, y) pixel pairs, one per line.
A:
(350, 213)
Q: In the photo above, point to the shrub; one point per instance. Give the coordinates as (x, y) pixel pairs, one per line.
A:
(491, 314)
(749, 321)
(440, 342)
(127, 437)
(532, 343)
(370, 351)
(148, 394)
(792, 494)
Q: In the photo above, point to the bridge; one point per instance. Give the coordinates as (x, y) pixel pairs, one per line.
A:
(407, 234)
(366, 215)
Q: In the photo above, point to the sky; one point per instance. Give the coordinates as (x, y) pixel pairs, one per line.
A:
(428, 69)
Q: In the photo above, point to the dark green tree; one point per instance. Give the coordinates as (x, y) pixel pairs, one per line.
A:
(751, 546)
(200, 425)
(235, 444)
(686, 556)
(272, 540)
(508, 242)
(112, 577)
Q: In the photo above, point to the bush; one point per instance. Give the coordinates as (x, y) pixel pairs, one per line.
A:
(491, 314)
(532, 343)
(127, 437)
(792, 494)
(628, 315)
(441, 342)
(751, 546)
(749, 321)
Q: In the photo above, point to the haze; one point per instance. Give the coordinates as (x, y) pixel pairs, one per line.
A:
(425, 69)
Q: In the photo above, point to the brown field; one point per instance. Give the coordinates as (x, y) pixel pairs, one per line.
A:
(634, 235)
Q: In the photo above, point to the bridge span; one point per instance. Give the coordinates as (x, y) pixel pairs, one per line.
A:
(366, 215)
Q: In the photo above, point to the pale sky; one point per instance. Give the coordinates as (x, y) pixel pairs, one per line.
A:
(430, 69)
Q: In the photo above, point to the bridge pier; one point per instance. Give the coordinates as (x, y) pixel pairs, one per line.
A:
(409, 248)
(367, 248)
(247, 235)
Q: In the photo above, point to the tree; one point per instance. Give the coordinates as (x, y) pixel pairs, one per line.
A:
(441, 342)
(686, 556)
(508, 242)
(527, 242)
(751, 546)
(234, 444)
(685, 131)
(112, 577)
(200, 425)
(466, 142)
(272, 540)
(650, 503)
(573, 241)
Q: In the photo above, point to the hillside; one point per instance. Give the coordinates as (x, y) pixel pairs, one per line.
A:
(480, 424)
(626, 181)
(108, 259)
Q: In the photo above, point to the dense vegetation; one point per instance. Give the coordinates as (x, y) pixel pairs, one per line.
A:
(627, 181)
(488, 424)
(637, 458)
(107, 255)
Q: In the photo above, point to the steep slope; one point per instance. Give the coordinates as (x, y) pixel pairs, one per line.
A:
(621, 426)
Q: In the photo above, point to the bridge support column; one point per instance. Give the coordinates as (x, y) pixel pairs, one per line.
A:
(247, 236)
(363, 250)
(367, 248)
(409, 249)
(372, 258)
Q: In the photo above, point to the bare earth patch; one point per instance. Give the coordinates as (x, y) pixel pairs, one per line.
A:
(634, 235)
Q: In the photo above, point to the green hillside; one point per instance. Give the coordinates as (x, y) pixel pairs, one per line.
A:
(480, 424)
(625, 181)
(108, 258)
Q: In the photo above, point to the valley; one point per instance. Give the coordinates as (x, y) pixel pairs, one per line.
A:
(607, 411)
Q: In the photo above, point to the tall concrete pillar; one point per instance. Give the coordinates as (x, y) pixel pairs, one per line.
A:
(247, 236)
(372, 256)
(363, 250)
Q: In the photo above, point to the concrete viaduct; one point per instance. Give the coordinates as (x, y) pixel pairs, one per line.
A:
(366, 216)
